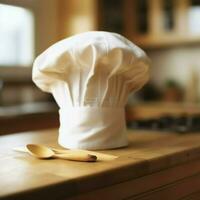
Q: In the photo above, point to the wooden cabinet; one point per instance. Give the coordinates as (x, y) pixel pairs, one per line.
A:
(152, 23)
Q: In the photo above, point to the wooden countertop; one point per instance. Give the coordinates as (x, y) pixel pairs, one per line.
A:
(25, 177)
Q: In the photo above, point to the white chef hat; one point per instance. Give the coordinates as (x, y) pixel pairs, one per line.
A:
(90, 76)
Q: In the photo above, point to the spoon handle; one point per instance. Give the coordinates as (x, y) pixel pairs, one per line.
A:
(77, 156)
(100, 156)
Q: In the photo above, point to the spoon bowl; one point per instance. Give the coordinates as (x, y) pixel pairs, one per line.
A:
(40, 151)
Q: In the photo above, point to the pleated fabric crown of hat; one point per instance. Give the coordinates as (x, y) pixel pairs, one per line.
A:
(90, 76)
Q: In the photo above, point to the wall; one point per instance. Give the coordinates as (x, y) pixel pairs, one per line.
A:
(177, 63)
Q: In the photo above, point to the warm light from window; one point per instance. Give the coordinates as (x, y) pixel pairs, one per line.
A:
(194, 19)
(16, 36)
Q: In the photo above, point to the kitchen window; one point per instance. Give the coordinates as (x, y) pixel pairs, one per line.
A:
(27, 28)
(16, 36)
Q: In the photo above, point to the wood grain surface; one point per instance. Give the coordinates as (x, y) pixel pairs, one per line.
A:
(167, 156)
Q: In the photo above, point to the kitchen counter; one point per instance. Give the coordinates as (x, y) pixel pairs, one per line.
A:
(154, 166)
(157, 109)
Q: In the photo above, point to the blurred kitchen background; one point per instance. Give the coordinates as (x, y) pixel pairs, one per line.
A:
(168, 30)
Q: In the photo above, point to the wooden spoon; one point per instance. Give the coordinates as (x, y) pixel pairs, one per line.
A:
(100, 156)
(43, 152)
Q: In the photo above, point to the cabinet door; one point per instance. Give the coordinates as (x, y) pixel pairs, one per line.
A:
(144, 20)
(168, 15)
(141, 21)
(136, 17)
(111, 15)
